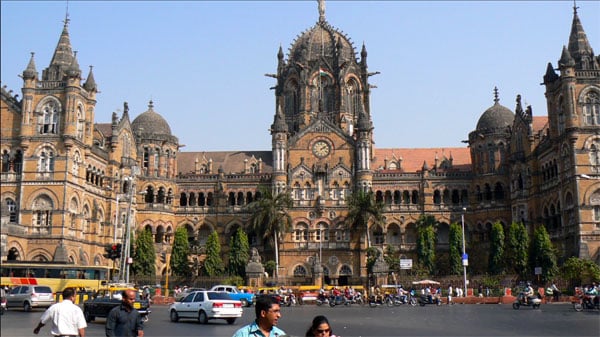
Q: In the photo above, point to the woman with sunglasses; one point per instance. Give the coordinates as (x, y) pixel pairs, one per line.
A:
(320, 328)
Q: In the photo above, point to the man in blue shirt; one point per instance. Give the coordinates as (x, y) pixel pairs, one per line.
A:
(265, 325)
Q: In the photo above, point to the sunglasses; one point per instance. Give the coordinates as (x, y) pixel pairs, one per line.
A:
(323, 330)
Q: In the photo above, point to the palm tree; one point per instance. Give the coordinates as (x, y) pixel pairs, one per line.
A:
(270, 216)
(362, 209)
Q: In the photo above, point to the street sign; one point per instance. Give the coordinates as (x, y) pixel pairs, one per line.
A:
(465, 259)
(406, 263)
(538, 270)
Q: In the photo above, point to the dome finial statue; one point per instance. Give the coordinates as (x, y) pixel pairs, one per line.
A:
(321, 10)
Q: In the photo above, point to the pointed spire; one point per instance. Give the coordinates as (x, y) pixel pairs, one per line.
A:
(550, 75)
(30, 72)
(579, 46)
(90, 83)
(279, 124)
(62, 58)
(496, 99)
(151, 106)
(363, 54)
(280, 53)
(74, 70)
(565, 59)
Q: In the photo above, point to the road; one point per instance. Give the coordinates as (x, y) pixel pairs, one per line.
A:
(455, 320)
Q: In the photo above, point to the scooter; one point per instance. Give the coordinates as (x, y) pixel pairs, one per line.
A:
(322, 299)
(533, 301)
(289, 300)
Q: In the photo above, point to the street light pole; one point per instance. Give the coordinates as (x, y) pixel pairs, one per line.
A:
(464, 256)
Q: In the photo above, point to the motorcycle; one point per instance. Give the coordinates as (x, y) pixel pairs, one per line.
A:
(2, 305)
(429, 299)
(586, 301)
(322, 299)
(356, 299)
(338, 300)
(375, 301)
(533, 301)
(289, 300)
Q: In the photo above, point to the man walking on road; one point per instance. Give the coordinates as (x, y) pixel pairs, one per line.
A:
(67, 317)
(124, 320)
(268, 314)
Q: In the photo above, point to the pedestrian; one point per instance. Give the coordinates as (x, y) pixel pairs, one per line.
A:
(124, 320)
(480, 290)
(449, 294)
(268, 314)
(320, 328)
(66, 317)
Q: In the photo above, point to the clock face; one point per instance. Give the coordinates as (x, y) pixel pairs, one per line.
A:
(321, 149)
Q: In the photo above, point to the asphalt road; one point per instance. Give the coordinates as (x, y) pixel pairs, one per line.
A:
(455, 320)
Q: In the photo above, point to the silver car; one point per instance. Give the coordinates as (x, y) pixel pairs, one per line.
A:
(30, 296)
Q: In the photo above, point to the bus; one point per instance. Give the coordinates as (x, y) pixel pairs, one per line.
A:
(54, 274)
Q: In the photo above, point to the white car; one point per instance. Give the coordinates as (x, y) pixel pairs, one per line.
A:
(206, 305)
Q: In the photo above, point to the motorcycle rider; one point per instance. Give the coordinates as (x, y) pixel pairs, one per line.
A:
(527, 293)
(402, 294)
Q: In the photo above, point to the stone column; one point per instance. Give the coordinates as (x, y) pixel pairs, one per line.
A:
(255, 271)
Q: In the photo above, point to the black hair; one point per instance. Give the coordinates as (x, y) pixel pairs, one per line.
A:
(263, 302)
(318, 320)
(68, 293)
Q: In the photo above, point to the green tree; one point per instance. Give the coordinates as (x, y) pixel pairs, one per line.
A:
(213, 264)
(179, 255)
(372, 255)
(144, 257)
(455, 249)
(496, 257)
(392, 258)
(363, 209)
(269, 215)
(543, 254)
(426, 242)
(270, 267)
(517, 248)
(239, 249)
(580, 271)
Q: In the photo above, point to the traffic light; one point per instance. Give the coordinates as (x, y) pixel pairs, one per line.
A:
(118, 251)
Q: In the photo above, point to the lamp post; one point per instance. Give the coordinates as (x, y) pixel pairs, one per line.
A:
(465, 260)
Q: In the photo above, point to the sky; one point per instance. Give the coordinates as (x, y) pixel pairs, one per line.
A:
(203, 63)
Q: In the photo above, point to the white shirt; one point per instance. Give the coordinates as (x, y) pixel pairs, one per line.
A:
(67, 318)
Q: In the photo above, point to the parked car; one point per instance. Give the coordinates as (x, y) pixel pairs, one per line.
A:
(206, 305)
(106, 299)
(30, 296)
(246, 298)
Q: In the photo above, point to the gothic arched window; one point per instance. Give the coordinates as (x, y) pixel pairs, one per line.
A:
(49, 118)
(591, 108)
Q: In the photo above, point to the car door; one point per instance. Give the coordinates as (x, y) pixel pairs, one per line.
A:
(12, 300)
(197, 304)
(184, 308)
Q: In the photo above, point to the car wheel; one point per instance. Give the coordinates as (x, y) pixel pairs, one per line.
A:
(244, 302)
(230, 321)
(27, 306)
(202, 318)
(174, 316)
(88, 317)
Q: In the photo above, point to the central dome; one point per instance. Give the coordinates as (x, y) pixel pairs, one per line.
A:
(321, 40)
(496, 117)
(150, 122)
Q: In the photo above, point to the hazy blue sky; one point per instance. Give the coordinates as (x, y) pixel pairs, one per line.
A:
(203, 62)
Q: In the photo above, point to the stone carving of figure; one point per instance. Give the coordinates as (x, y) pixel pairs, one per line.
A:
(254, 257)
(321, 10)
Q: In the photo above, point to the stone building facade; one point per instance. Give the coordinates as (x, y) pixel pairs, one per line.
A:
(71, 185)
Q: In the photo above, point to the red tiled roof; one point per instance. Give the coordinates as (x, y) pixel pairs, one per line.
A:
(413, 159)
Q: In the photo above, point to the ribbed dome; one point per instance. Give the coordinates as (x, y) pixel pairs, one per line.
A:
(151, 122)
(321, 40)
(497, 116)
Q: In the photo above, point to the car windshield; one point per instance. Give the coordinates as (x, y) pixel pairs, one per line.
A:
(218, 296)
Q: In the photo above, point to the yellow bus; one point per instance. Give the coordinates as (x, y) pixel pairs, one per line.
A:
(53, 274)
